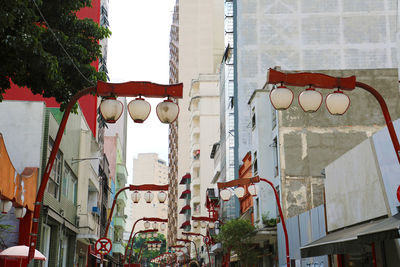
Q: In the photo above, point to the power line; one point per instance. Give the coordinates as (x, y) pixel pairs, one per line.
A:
(59, 43)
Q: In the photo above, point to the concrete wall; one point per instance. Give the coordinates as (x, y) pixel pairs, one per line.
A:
(23, 133)
(352, 182)
(309, 142)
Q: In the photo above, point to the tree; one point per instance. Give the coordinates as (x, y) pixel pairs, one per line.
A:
(236, 235)
(43, 44)
(147, 254)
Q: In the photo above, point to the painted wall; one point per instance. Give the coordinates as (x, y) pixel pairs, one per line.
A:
(22, 134)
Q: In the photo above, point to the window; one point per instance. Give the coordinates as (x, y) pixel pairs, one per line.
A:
(53, 185)
(255, 164)
(273, 119)
(46, 232)
(69, 184)
(275, 148)
(253, 118)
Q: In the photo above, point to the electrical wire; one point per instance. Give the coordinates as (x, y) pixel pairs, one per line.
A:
(62, 47)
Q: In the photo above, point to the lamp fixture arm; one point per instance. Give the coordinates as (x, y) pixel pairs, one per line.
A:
(386, 115)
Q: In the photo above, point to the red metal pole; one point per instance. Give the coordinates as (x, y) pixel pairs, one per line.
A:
(386, 115)
(278, 202)
(49, 166)
(129, 241)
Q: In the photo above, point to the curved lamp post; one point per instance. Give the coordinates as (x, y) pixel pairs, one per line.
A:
(251, 181)
(128, 89)
(152, 219)
(190, 241)
(157, 244)
(337, 102)
(204, 239)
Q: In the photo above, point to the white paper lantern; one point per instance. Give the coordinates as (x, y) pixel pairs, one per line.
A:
(310, 100)
(146, 225)
(281, 97)
(252, 190)
(211, 225)
(167, 111)
(203, 224)
(148, 196)
(239, 191)
(163, 226)
(135, 196)
(20, 212)
(155, 225)
(225, 194)
(5, 205)
(111, 109)
(337, 103)
(195, 224)
(139, 109)
(162, 196)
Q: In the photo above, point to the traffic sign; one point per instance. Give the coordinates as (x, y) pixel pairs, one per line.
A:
(103, 246)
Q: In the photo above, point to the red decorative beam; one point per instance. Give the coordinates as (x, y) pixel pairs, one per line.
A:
(237, 182)
(147, 89)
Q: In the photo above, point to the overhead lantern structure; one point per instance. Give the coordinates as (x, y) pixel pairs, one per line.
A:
(111, 109)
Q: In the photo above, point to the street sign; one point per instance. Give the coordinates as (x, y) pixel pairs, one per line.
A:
(103, 246)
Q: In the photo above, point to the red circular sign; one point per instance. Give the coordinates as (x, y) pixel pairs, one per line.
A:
(398, 193)
(103, 246)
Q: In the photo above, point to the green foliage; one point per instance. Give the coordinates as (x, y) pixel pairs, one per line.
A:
(236, 235)
(148, 254)
(267, 221)
(31, 55)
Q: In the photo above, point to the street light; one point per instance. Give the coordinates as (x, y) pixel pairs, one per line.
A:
(103, 89)
(337, 102)
(251, 181)
(147, 221)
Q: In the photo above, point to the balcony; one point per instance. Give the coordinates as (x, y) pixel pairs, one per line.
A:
(118, 248)
(119, 222)
(122, 174)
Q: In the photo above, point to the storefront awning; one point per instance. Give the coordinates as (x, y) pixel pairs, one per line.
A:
(352, 239)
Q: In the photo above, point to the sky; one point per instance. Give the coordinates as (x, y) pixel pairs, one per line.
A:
(138, 50)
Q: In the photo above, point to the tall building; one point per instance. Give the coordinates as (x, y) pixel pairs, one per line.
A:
(196, 48)
(148, 168)
(173, 133)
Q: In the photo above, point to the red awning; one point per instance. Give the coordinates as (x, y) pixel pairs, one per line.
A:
(187, 207)
(184, 193)
(184, 178)
(187, 223)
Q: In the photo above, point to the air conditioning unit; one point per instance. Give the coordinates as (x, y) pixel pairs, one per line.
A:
(96, 210)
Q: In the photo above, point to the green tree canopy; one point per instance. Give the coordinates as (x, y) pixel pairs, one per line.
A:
(33, 36)
(147, 255)
(235, 235)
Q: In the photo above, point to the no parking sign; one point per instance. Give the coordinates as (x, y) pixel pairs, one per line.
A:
(103, 246)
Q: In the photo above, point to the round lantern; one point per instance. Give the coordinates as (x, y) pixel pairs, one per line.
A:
(139, 110)
(203, 224)
(281, 97)
(211, 225)
(310, 100)
(225, 194)
(135, 196)
(162, 196)
(111, 109)
(337, 103)
(146, 225)
(167, 111)
(252, 190)
(163, 226)
(239, 191)
(155, 225)
(195, 224)
(20, 212)
(5, 205)
(148, 196)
